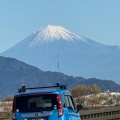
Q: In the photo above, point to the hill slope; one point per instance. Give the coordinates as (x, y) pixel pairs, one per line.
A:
(14, 73)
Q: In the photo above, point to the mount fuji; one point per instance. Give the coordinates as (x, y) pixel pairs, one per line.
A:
(54, 48)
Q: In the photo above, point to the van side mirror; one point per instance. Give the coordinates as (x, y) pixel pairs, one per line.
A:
(79, 107)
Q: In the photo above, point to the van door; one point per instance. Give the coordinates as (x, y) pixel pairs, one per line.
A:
(36, 107)
(70, 109)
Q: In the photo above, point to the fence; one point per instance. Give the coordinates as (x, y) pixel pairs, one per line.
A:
(109, 113)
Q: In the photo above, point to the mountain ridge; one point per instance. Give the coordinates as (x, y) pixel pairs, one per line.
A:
(14, 74)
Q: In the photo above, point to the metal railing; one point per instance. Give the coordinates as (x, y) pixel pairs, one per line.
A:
(109, 113)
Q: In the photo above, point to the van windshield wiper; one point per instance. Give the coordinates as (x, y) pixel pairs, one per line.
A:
(38, 110)
(42, 111)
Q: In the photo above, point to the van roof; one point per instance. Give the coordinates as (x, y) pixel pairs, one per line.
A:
(37, 92)
(59, 89)
(62, 87)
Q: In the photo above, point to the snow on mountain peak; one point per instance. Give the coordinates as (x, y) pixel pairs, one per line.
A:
(57, 32)
(51, 33)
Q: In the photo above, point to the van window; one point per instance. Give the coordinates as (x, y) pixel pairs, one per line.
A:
(69, 102)
(62, 100)
(36, 103)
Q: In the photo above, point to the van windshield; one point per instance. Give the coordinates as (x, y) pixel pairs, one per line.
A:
(36, 103)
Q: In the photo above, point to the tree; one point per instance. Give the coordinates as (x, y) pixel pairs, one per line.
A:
(81, 100)
(117, 99)
(94, 89)
(80, 90)
(103, 97)
(7, 103)
(83, 90)
(8, 99)
(86, 94)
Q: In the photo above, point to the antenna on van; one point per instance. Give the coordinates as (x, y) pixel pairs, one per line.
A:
(21, 69)
(21, 76)
(58, 65)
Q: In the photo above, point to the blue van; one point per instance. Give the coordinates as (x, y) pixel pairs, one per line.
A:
(45, 103)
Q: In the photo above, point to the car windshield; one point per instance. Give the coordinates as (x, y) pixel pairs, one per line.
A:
(36, 103)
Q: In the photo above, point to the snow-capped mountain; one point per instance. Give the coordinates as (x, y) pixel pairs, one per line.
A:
(77, 55)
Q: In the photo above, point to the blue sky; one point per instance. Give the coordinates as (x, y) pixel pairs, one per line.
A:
(98, 20)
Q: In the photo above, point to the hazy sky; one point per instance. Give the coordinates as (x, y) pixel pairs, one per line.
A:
(98, 20)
